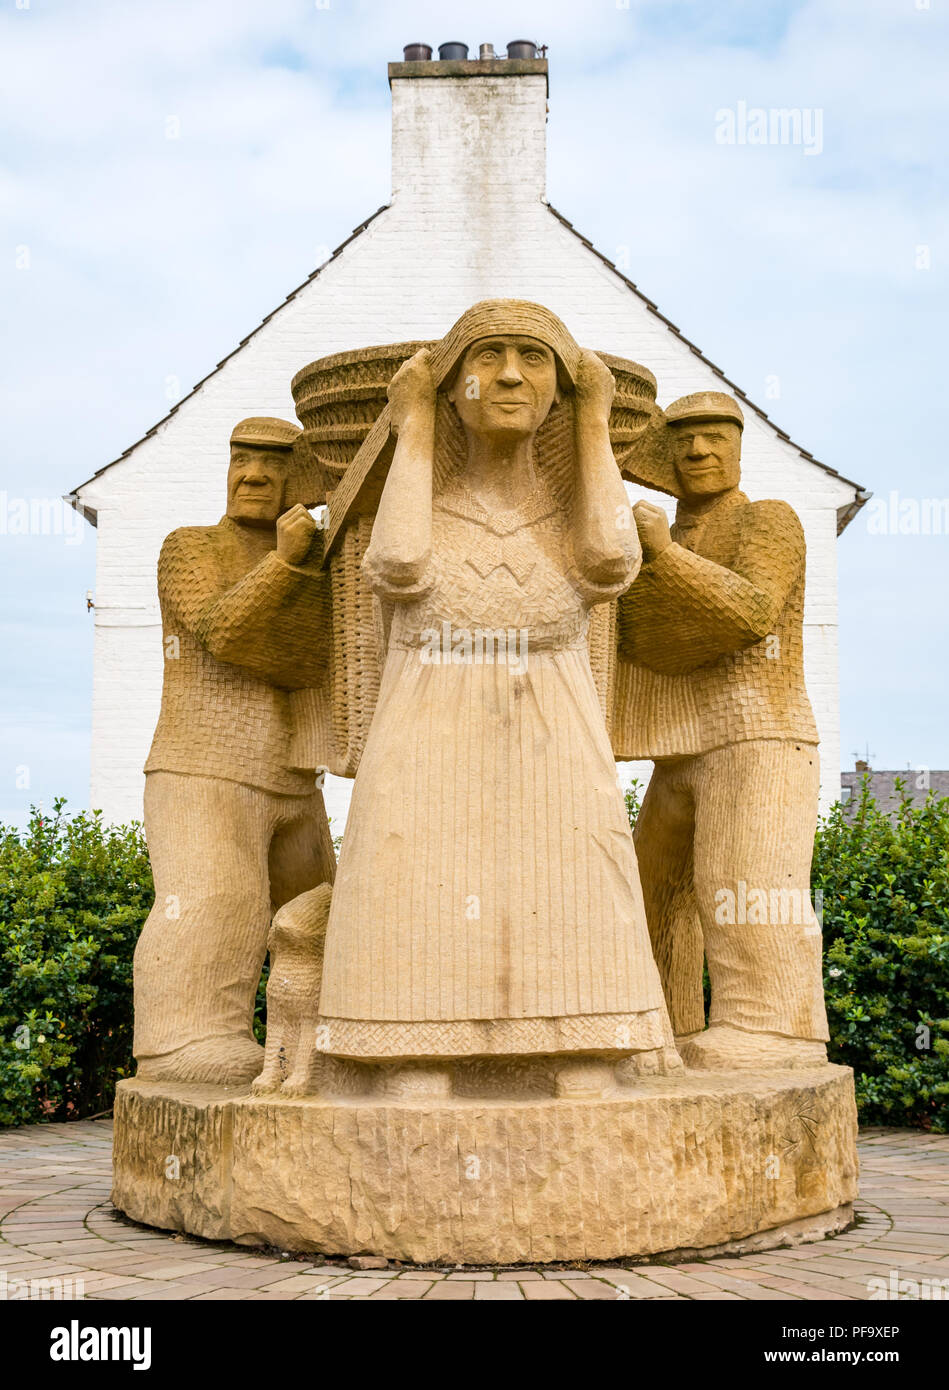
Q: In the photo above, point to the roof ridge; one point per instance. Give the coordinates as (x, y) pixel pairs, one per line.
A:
(845, 514)
(862, 494)
(357, 231)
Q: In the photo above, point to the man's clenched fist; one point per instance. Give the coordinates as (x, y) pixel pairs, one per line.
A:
(653, 527)
(295, 532)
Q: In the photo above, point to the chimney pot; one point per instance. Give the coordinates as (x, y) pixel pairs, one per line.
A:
(522, 48)
(453, 52)
(486, 51)
(417, 53)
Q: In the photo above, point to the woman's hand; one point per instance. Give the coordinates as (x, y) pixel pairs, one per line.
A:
(596, 385)
(412, 391)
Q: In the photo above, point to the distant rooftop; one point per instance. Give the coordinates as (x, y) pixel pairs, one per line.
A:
(918, 782)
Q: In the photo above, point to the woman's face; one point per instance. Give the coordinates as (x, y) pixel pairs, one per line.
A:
(505, 386)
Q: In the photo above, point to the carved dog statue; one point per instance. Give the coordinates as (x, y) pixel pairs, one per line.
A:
(295, 943)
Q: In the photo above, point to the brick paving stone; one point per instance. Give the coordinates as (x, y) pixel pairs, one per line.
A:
(498, 1292)
(222, 1295)
(33, 1270)
(100, 1282)
(636, 1285)
(346, 1287)
(190, 1293)
(446, 1290)
(62, 1247)
(761, 1293)
(544, 1290)
(720, 1279)
(520, 1274)
(402, 1288)
(806, 1291)
(271, 1279)
(676, 1280)
(171, 1271)
(855, 1288)
(590, 1288)
(719, 1295)
(473, 1275)
(152, 1289)
(122, 1291)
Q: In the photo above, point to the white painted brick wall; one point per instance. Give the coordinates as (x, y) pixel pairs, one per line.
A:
(467, 221)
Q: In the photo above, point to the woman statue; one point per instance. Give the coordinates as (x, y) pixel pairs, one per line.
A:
(487, 902)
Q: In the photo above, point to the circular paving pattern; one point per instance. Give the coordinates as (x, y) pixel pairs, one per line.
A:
(57, 1224)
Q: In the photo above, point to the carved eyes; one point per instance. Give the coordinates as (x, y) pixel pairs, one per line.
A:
(533, 356)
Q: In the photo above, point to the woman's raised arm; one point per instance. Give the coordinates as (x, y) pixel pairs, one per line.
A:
(606, 545)
(401, 546)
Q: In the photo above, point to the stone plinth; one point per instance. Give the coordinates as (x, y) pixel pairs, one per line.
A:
(694, 1161)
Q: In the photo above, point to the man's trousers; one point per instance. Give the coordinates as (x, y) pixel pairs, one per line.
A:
(724, 841)
(224, 857)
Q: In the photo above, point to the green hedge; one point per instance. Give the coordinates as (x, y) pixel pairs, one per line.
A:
(885, 886)
(881, 887)
(74, 894)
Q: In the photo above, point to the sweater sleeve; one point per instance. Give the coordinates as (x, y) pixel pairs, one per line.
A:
(685, 611)
(274, 622)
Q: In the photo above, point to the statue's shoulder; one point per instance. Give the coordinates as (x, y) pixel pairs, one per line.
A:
(186, 540)
(771, 514)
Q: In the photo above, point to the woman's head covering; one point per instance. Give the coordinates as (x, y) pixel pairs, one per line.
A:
(491, 318)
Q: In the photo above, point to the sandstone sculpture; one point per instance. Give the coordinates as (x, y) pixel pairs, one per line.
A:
(503, 520)
(295, 944)
(470, 1050)
(726, 830)
(235, 825)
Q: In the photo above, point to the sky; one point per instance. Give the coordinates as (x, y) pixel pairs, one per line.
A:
(170, 171)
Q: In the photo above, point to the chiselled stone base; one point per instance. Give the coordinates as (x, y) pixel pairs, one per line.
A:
(696, 1161)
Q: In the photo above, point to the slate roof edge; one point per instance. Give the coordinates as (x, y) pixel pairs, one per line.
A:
(862, 494)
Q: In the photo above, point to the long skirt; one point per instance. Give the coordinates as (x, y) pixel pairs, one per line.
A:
(487, 900)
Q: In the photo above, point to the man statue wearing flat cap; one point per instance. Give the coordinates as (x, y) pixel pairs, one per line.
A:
(234, 819)
(712, 648)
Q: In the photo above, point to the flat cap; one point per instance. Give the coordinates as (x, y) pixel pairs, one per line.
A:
(705, 405)
(266, 432)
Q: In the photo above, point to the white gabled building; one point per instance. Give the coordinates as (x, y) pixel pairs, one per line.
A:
(468, 219)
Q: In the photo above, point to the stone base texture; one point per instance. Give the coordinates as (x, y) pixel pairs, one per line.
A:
(687, 1163)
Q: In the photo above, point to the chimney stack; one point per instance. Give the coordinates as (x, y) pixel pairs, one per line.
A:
(469, 131)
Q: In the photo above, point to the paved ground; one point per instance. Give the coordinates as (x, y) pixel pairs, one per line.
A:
(56, 1222)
